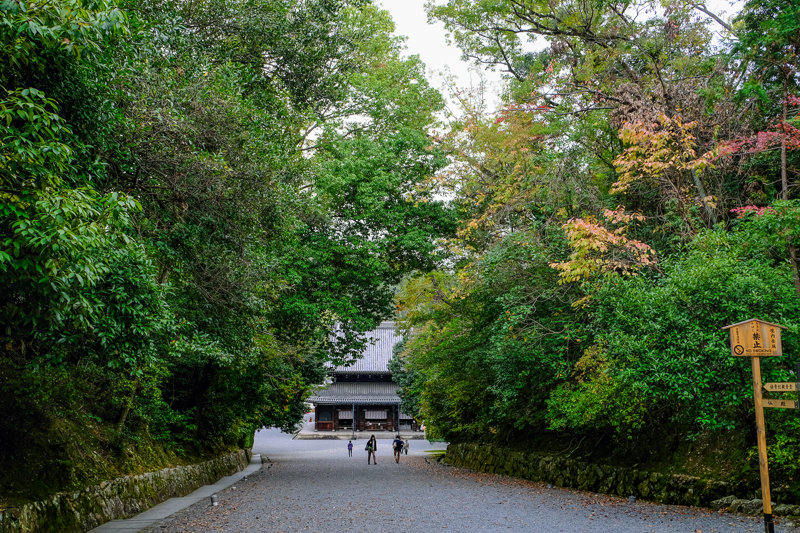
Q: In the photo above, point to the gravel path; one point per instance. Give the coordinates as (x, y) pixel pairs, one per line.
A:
(315, 486)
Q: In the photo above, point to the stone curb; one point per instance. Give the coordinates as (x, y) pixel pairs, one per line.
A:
(173, 505)
(90, 507)
(676, 489)
(752, 507)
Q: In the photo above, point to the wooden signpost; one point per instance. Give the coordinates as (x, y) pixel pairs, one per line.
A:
(781, 404)
(782, 387)
(755, 339)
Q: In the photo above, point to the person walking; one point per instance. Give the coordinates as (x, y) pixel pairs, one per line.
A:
(405, 448)
(397, 445)
(350, 448)
(372, 447)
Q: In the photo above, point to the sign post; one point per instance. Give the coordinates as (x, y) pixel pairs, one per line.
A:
(761, 436)
(756, 339)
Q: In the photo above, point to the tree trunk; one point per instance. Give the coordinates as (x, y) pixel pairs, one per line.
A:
(123, 416)
(784, 178)
(163, 275)
(795, 270)
(785, 193)
(701, 191)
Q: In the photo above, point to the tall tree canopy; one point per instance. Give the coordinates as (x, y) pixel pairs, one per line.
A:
(193, 196)
(634, 194)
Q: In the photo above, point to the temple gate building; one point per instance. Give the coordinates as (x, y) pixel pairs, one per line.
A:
(362, 396)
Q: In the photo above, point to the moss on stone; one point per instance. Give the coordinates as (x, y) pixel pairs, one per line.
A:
(562, 471)
(118, 498)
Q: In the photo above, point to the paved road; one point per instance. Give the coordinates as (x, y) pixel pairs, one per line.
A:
(315, 486)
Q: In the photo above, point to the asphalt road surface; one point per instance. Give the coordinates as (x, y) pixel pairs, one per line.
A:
(312, 485)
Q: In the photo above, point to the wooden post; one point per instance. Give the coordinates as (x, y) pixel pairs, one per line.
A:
(761, 436)
(756, 339)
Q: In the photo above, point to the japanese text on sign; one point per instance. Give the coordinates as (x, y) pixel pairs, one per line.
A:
(755, 338)
(781, 404)
(790, 386)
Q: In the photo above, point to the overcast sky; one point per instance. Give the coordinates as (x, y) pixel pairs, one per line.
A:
(430, 43)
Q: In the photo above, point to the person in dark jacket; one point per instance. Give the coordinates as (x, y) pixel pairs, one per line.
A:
(397, 446)
(372, 447)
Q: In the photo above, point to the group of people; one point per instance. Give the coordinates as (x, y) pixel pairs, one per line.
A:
(398, 445)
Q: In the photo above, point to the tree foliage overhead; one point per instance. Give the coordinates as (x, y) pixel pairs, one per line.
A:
(635, 193)
(193, 196)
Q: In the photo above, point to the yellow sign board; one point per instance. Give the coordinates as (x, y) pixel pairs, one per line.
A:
(755, 338)
(781, 404)
(781, 387)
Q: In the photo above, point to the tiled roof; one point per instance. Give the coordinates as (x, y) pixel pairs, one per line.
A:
(360, 393)
(377, 354)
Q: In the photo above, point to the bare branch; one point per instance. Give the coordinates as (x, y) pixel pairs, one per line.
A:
(703, 9)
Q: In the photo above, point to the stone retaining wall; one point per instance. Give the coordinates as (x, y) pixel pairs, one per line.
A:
(119, 498)
(566, 472)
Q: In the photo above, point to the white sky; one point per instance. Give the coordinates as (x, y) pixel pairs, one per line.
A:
(430, 43)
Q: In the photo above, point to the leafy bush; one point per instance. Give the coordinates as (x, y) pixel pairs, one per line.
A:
(660, 357)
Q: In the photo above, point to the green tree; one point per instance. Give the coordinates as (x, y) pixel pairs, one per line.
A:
(179, 182)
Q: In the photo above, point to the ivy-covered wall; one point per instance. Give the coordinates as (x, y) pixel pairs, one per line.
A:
(606, 479)
(118, 498)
